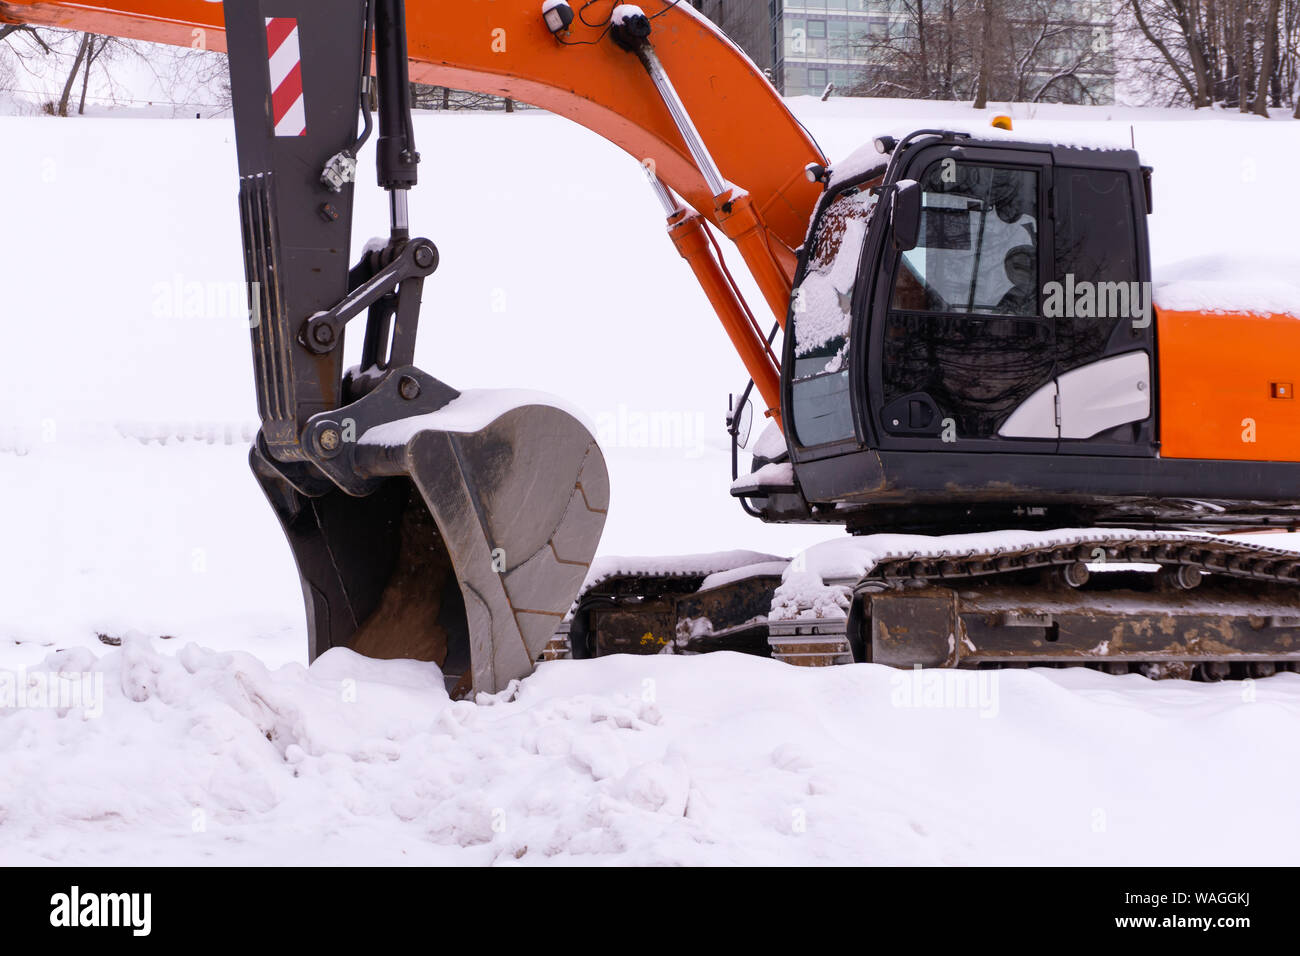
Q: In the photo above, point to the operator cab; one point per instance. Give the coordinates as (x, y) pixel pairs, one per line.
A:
(985, 300)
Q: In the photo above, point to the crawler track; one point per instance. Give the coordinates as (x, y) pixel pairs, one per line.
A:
(1165, 604)
(1167, 550)
(1162, 604)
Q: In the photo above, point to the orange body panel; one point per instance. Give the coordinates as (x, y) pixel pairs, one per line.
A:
(1227, 386)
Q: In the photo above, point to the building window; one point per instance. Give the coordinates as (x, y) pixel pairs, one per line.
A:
(817, 39)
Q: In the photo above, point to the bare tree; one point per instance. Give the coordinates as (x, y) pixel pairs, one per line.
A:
(924, 54)
(1241, 54)
(988, 50)
(425, 97)
(1176, 64)
(98, 44)
(1266, 59)
(10, 29)
(196, 79)
(987, 12)
(20, 44)
(193, 79)
(1242, 29)
(61, 108)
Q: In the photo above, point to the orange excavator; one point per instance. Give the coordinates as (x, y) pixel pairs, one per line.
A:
(967, 336)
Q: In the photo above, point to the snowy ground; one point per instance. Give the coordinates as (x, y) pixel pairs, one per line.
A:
(204, 757)
(123, 330)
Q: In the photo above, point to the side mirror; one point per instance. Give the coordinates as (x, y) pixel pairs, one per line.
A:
(740, 420)
(905, 214)
(745, 423)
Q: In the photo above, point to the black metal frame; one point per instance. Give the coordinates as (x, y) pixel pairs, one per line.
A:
(297, 224)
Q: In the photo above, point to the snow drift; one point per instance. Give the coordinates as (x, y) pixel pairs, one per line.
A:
(213, 758)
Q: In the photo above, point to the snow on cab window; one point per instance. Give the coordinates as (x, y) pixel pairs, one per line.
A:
(823, 300)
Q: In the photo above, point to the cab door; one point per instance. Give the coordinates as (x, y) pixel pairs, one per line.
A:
(1101, 295)
(960, 340)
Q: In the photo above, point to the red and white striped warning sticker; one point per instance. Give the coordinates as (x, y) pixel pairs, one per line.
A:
(286, 76)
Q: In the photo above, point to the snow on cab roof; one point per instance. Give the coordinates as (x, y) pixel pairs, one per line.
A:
(866, 158)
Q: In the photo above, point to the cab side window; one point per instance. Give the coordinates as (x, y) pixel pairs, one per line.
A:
(821, 315)
(1096, 263)
(978, 250)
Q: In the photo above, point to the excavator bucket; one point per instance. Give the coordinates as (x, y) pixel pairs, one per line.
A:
(425, 523)
(469, 550)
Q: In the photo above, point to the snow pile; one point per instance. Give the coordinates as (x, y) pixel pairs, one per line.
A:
(805, 596)
(210, 759)
(771, 444)
(818, 584)
(774, 475)
(624, 11)
(471, 411)
(676, 565)
(861, 161)
(763, 568)
(1264, 285)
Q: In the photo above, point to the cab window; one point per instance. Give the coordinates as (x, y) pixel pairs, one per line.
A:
(821, 313)
(978, 249)
(1096, 248)
(964, 340)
